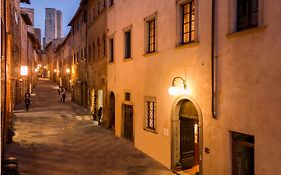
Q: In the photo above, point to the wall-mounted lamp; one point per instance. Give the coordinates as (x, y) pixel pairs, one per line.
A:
(36, 70)
(67, 70)
(39, 65)
(55, 70)
(23, 70)
(173, 90)
(20, 79)
(45, 67)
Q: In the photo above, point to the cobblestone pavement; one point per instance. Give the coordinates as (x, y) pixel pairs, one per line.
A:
(58, 138)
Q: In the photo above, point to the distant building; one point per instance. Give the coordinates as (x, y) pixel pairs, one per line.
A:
(37, 33)
(53, 25)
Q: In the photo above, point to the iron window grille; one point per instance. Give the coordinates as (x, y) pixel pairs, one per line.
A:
(188, 22)
(150, 115)
(151, 36)
(247, 14)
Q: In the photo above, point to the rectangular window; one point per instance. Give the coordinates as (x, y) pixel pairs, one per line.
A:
(128, 44)
(150, 115)
(242, 154)
(111, 50)
(247, 14)
(151, 36)
(188, 22)
(127, 96)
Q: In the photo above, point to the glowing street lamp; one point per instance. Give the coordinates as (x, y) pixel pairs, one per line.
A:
(67, 70)
(23, 70)
(173, 90)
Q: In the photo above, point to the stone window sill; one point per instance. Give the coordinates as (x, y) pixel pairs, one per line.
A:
(150, 53)
(150, 130)
(128, 59)
(187, 45)
(246, 31)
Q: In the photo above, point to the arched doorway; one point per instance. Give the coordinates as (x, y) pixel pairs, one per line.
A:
(112, 110)
(187, 135)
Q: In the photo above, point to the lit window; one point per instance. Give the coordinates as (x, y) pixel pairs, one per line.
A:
(188, 22)
(151, 36)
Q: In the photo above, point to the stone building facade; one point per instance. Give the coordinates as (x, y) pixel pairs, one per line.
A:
(79, 56)
(190, 83)
(16, 41)
(97, 57)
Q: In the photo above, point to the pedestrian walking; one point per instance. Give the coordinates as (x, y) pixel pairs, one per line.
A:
(63, 96)
(99, 115)
(27, 102)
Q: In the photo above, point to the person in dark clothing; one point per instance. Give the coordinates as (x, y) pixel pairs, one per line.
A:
(27, 103)
(63, 97)
(99, 114)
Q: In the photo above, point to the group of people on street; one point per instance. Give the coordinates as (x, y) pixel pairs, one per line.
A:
(61, 92)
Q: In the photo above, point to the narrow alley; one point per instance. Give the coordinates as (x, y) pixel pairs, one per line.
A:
(59, 138)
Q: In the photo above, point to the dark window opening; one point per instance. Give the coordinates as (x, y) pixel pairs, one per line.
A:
(128, 44)
(247, 14)
(111, 50)
(242, 154)
(127, 96)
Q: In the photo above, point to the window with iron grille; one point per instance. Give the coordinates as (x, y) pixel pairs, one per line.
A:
(128, 44)
(242, 154)
(151, 36)
(111, 50)
(150, 112)
(188, 22)
(247, 14)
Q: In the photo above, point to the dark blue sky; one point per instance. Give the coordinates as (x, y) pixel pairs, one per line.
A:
(68, 8)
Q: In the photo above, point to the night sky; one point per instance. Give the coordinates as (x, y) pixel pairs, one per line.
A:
(68, 8)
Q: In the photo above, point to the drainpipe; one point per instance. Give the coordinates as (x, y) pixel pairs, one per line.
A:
(213, 62)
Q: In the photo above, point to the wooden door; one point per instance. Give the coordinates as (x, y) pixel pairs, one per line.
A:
(112, 110)
(128, 122)
(187, 143)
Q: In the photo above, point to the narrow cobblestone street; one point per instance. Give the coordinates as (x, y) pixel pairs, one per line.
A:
(59, 138)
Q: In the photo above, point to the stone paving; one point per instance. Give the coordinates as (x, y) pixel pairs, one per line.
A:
(59, 138)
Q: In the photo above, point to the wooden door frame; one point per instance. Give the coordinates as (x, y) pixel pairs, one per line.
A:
(175, 126)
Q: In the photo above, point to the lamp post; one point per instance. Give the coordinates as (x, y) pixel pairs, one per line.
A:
(173, 90)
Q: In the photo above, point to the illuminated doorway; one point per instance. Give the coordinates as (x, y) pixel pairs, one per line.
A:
(187, 136)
